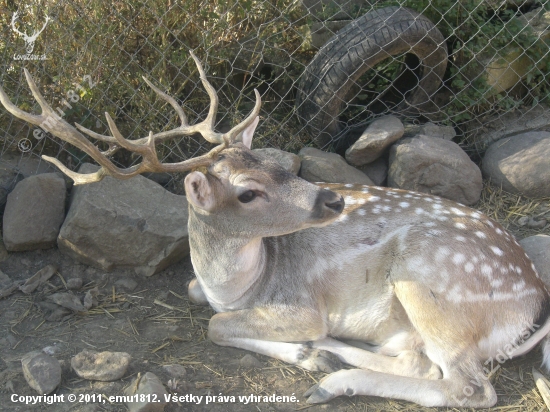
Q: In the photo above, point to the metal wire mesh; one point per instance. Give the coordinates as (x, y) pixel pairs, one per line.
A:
(91, 55)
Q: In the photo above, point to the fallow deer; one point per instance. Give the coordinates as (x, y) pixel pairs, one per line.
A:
(415, 291)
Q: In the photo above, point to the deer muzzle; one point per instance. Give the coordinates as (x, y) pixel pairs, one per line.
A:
(328, 205)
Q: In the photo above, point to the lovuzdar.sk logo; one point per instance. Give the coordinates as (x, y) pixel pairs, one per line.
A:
(29, 40)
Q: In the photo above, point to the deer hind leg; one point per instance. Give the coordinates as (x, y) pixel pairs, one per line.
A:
(456, 390)
(409, 363)
(272, 332)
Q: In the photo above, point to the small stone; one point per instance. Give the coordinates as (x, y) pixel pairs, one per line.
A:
(104, 366)
(536, 224)
(39, 278)
(148, 384)
(249, 362)
(74, 283)
(67, 300)
(127, 284)
(175, 371)
(42, 372)
(375, 140)
(90, 299)
(53, 312)
(522, 221)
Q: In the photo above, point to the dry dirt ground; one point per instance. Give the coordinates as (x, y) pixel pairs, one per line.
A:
(157, 325)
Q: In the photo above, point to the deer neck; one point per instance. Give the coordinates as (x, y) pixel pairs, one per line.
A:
(226, 267)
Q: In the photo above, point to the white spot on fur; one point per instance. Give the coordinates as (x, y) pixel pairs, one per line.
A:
(469, 267)
(419, 211)
(404, 204)
(373, 199)
(457, 212)
(350, 200)
(497, 251)
(460, 238)
(361, 212)
(348, 185)
(459, 225)
(496, 283)
(458, 258)
(486, 270)
(499, 232)
(342, 218)
(386, 209)
(442, 252)
(481, 234)
(437, 206)
(475, 215)
(518, 286)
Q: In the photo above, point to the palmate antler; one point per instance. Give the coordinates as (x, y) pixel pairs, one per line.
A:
(146, 147)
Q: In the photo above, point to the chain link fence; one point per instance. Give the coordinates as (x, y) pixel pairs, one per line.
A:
(463, 64)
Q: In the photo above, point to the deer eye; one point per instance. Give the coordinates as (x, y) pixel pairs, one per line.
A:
(247, 196)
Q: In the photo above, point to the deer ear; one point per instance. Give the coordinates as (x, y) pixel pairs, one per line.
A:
(198, 191)
(248, 133)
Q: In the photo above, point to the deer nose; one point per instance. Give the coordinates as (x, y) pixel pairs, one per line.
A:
(327, 205)
(337, 205)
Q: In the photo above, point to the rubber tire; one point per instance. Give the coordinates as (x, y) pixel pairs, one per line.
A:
(365, 42)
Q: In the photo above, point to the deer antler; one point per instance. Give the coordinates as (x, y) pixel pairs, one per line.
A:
(37, 32)
(145, 146)
(13, 20)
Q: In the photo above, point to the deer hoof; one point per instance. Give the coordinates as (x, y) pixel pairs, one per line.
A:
(319, 360)
(317, 394)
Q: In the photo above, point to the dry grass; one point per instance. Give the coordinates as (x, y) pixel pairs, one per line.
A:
(508, 208)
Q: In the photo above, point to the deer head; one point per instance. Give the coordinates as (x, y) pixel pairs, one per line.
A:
(29, 40)
(236, 191)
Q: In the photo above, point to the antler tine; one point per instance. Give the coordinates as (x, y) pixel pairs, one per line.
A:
(168, 99)
(210, 120)
(236, 132)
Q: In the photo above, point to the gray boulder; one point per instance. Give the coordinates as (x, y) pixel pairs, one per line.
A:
(377, 171)
(432, 130)
(289, 161)
(375, 139)
(538, 249)
(520, 164)
(319, 166)
(132, 223)
(34, 212)
(436, 166)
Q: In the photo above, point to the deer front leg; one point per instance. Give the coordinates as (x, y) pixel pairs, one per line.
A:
(458, 389)
(278, 333)
(408, 363)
